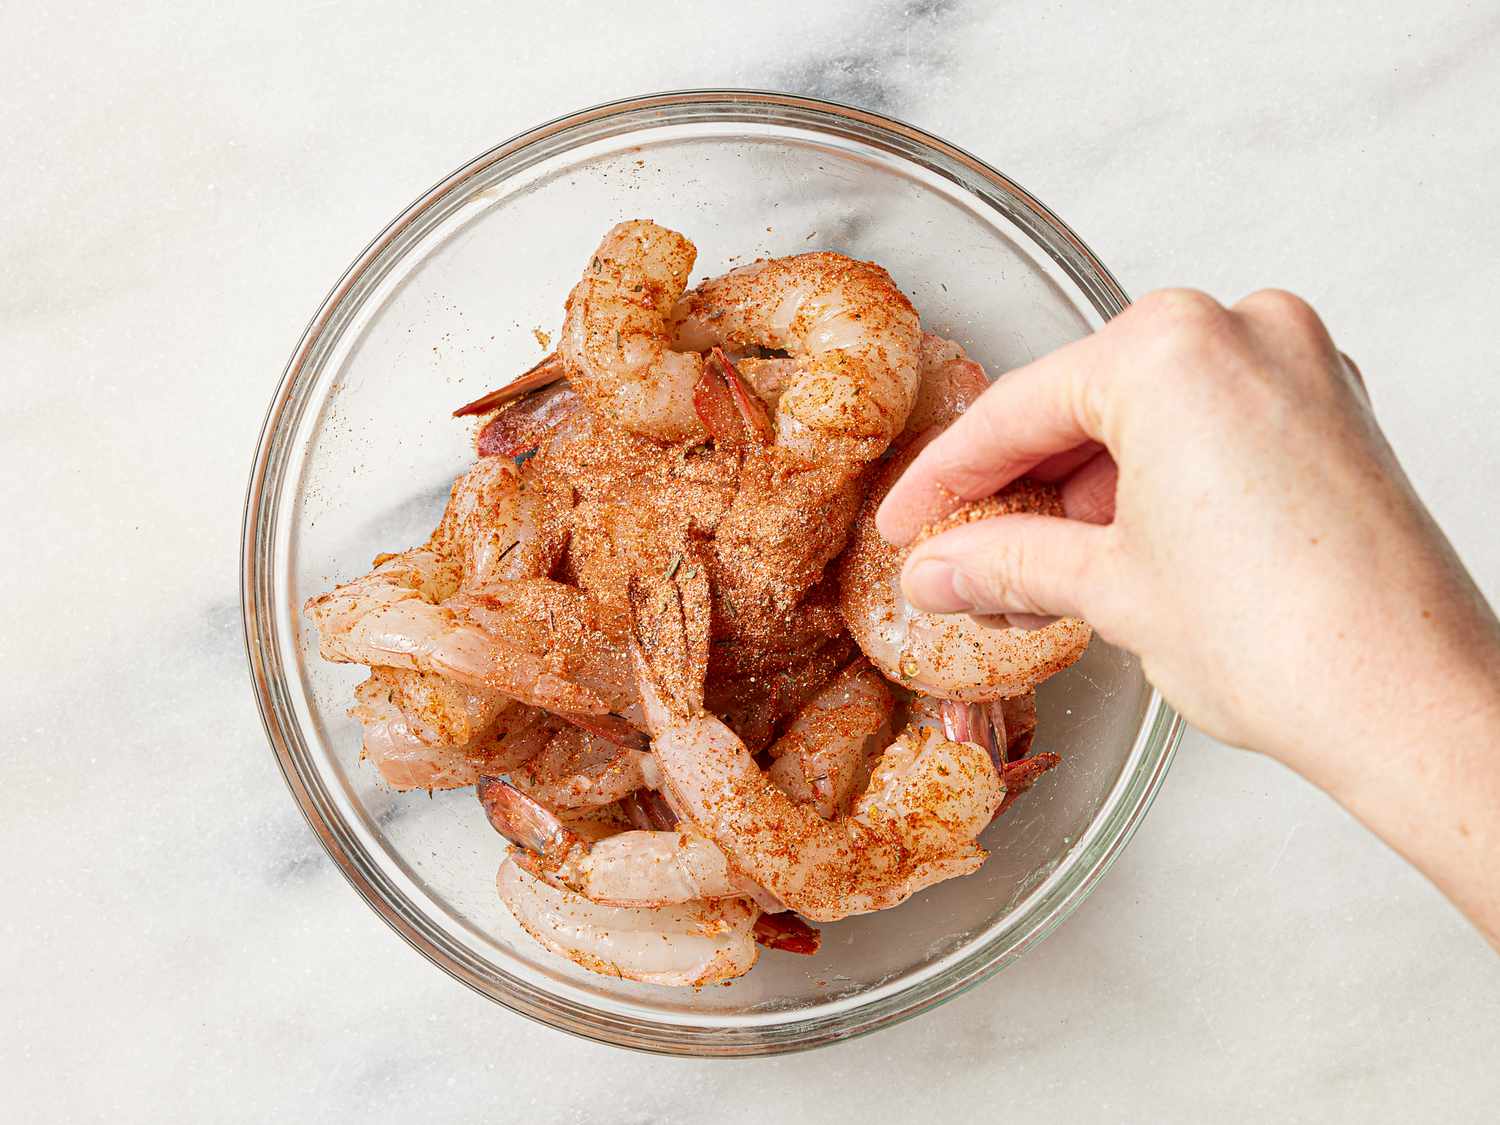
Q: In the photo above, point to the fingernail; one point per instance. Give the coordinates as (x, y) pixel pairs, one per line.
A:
(930, 585)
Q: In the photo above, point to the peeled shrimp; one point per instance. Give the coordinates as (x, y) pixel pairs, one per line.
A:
(384, 619)
(578, 768)
(579, 664)
(950, 383)
(439, 711)
(786, 519)
(502, 523)
(821, 756)
(406, 760)
(952, 656)
(852, 332)
(915, 826)
(690, 944)
(634, 868)
(614, 337)
(395, 617)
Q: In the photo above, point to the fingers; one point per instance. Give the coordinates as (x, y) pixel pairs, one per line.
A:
(1284, 319)
(1034, 412)
(1089, 494)
(1059, 465)
(1020, 564)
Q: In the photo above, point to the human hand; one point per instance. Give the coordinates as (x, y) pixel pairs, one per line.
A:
(1238, 520)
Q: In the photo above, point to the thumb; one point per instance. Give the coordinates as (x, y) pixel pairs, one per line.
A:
(1009, 564)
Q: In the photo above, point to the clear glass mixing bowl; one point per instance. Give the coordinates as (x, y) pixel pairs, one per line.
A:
(450, 300)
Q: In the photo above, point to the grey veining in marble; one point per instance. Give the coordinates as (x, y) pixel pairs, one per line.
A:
(183, 183)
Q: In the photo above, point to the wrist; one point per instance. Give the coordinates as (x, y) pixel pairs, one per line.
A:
(1429, 786)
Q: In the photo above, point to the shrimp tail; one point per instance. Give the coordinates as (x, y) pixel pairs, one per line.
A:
(976, 723)
(548, 371)
(1021, 776)
(670, 616)
(788, 933)
(546, 839)
(729, 409)
(1017, 718)
(524, 423)
(648, 810)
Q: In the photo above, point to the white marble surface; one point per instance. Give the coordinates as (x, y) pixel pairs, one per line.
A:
(183, 183)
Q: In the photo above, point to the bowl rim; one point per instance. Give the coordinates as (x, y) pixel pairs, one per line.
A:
(1108, 833)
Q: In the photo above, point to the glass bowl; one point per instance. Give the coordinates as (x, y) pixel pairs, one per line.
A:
(459, 294)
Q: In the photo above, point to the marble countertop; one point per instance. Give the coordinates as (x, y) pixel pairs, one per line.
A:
(182, 188)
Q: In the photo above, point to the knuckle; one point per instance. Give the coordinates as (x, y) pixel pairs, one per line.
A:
(1180, 309)
(1285, 309)
(1186, 326)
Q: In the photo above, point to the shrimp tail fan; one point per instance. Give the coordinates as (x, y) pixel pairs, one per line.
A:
(670, 619)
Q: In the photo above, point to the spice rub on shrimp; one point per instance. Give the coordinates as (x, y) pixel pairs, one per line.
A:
(615, 340)
(821, 759)
(687, 944)
(852, 333)
(408, 756)
(407, 612)
(669, 533)
(634, 868)
(953, 656)
(578, 768)
(785, 521)
(948, 655)
(915, 826)
(949, 384)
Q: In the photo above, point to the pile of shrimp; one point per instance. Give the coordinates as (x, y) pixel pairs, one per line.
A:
(657, 630)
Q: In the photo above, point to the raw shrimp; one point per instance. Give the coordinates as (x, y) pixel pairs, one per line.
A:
(820, 757)
(668, 531)
(503, 523)
(951, 656)
(785, 521)
(439, 711)
(949, 385)
(407, 761)
(689, 944)
(852, 332)
(561, 630)
(928, 797)
(578, 768)
(384, 619)
(1005, 727)
(636, 506)
(635, 868)
(754, 695)
(394, 616)
(615, 340)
